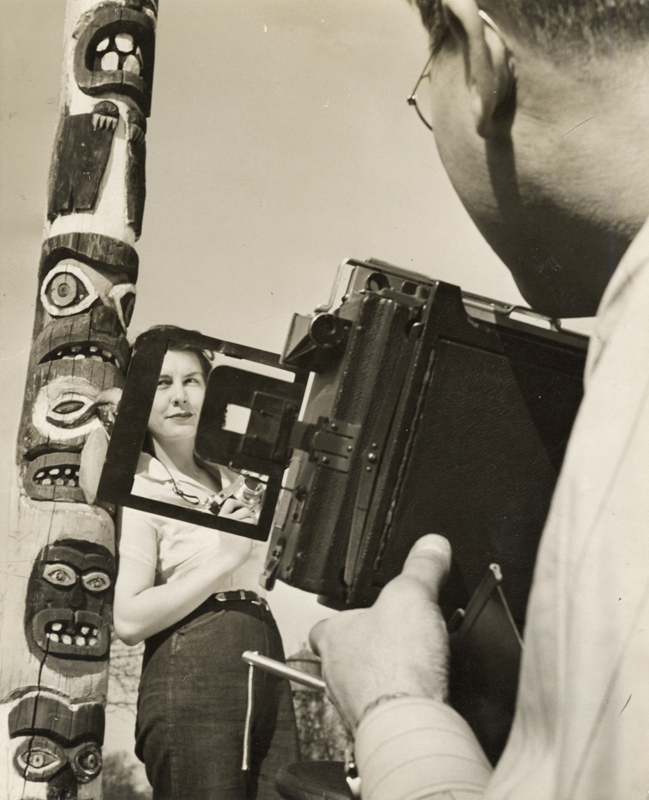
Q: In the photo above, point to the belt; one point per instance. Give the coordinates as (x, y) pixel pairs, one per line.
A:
(240, 594)
(213, 603)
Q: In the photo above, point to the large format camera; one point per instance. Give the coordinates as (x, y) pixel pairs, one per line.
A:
(427, 410)
(403, 407)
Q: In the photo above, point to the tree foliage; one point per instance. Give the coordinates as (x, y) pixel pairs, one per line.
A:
(119, 781)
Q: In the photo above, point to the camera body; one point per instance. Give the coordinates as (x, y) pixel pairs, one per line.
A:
(428, 410)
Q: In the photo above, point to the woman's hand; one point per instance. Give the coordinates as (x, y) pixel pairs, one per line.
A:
(235, 509)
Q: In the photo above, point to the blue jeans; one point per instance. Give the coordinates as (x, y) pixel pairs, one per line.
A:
(192, 707)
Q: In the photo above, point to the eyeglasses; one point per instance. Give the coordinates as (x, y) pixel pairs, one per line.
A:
(412, 98)
(426, 72)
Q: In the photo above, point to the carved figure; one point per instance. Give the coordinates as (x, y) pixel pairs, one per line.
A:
(80, 270)
(82, 151)
(61, 567)
(135, 169)
(115, 52)
(74, 360)
(56, 740)
(69, 603)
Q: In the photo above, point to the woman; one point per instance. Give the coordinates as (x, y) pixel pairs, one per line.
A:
(190, 592)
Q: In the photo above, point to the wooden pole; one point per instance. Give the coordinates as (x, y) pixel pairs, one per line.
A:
(57, 584)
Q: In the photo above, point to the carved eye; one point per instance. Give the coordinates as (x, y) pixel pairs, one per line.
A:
(96, 581)
(87, 763)
(60, 575)
(67, 290)
(70, 409)
(38, 759)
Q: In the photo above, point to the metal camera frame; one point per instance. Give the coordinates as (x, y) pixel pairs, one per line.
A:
(266, 397)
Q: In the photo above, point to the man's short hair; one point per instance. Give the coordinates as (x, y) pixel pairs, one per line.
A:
(559, 27)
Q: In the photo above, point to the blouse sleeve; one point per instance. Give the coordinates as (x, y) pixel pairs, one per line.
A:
(138, 539)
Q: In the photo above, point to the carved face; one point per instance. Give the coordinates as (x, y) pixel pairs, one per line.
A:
(41, 759)
(69, 603)
(72, 287)
(115, 52)
(63, 413)
(57, 742)
(82, 271)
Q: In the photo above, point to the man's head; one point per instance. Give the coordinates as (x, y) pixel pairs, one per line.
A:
(540, 114)
(559, 27)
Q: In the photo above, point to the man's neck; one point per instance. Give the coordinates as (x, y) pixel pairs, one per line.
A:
(592, 121)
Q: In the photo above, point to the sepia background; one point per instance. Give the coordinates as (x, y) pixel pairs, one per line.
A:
(279, 143)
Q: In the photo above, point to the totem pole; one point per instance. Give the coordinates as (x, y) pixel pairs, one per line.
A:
(57, 588)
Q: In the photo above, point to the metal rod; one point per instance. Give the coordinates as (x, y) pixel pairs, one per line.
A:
(277, 668)
(245, 764)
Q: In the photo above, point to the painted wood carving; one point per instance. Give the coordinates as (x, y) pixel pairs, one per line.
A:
(56, 596)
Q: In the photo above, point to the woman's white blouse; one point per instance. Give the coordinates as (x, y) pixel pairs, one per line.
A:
(174, 548)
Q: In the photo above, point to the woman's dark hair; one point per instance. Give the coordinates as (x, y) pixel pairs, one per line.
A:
(203, 360)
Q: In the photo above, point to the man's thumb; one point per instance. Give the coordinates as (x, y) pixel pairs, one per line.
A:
(429, 561)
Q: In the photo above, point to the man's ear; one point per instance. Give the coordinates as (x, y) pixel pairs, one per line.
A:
(489, 65)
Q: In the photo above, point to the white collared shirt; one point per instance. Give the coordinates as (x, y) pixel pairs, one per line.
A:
(172, 547)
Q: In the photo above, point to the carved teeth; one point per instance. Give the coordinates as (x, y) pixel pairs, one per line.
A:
(124, 42)
(82, 636)
(110, 62)
(102, 45)
(51, 475)
(78, 352)
(104, 121)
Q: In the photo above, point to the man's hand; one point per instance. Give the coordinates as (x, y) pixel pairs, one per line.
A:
(399, 645)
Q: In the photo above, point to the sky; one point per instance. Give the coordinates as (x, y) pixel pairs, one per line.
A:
(279, 144)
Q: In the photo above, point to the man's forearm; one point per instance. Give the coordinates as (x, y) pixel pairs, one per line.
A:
(414, 748)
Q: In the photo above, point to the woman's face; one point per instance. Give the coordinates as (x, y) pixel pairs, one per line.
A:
(179, 397)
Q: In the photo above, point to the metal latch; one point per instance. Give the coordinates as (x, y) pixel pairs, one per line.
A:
(331, 443)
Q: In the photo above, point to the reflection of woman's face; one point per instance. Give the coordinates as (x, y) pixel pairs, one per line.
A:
(179, 397)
